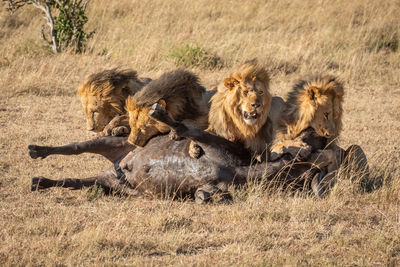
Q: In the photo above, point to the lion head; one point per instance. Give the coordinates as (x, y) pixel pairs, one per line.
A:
(315, 103)
(178, 92)
(143, 127)
(241, 105)
(103, 96)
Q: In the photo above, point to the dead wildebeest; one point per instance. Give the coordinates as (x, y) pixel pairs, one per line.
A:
(164, 167)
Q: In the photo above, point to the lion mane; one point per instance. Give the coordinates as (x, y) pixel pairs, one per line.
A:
(247, 86)
(104, 93)
(315, 103)
(178, 92)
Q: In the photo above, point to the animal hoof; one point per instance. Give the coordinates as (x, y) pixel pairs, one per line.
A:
(35, 185)
(356, 161)
(37, 152)
(202, 197)
(316, 185)
(156, 108)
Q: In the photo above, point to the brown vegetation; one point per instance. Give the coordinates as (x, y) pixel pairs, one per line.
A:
(354, 40)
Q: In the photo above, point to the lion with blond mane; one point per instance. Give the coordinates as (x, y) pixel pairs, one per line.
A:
(313, 113)
(239, 109)
(314, 103)
(103, 96)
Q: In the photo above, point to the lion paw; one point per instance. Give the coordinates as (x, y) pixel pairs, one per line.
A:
(276, 152)
(195, 151)
(174, 136)
(107, 131)
(300, 152)
(294, 148)
(120, 131)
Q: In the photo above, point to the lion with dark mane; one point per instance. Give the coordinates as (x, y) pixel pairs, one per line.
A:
(239, 109)
(103, 96)
(179, 93)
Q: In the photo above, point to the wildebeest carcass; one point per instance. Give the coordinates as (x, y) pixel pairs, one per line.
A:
(163, 166)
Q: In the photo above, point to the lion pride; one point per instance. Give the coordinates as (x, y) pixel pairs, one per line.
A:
(239, 109)
(315, 103)
(103, 96)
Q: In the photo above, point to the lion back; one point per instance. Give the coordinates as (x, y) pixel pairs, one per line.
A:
(112, 82)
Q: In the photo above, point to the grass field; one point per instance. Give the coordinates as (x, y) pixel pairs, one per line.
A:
(356, 40)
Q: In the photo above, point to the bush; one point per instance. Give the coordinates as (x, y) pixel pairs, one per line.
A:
(69, 25)
(65, 27)
(195, 56)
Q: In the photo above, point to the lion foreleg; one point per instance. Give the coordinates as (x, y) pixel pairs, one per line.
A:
(296, 148)
(118, 126)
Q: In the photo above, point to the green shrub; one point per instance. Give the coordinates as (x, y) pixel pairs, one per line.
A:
(69, 25)
(94, 193)
(65, 20)
(195, 56)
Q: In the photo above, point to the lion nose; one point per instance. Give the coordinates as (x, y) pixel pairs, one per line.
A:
(255, 105)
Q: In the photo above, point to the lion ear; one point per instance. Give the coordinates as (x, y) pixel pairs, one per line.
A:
(162, 103)
(230, 83)
(313, 93)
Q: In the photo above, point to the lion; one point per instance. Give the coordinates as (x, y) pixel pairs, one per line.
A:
(239, 109)
(315, 103)
(103, 96)
(313, 115)
(179, 93)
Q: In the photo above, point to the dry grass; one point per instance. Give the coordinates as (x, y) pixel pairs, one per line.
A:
(356, 40)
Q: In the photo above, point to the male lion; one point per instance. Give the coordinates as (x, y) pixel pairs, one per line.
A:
(315, 103)
(103, 96)
(179, 93)
(239, 110)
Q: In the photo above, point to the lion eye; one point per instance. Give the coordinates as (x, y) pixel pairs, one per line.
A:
(245, 92)
(261, 92)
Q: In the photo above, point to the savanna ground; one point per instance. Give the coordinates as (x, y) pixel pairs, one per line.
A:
(356, 40)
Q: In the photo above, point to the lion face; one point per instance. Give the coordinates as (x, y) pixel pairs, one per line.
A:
(253, 99)
(327, 109)
(323, 122)
(97, 111)
(143, 127)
